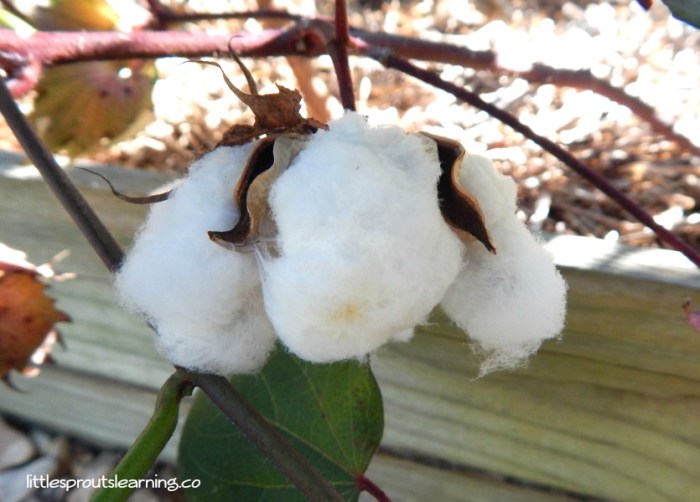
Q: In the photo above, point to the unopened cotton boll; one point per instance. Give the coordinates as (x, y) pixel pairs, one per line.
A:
(510, 302)
(204, 301)
(364, 253)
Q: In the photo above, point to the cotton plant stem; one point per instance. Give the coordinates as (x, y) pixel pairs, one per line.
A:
(290, 462)
(674, 241)
(145, 450)
(338, 50)
(22, 56)
(538, 73)
(75, 204)
(266, 438)
(303, 68)
(366, 485)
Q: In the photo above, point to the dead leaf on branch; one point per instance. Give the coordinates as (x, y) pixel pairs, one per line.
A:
(274, 113)
(27, 316)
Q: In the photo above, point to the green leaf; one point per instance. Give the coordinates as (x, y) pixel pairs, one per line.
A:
(331, 413)
(685, 10)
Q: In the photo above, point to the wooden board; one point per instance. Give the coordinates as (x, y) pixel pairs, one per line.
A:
(609, 411)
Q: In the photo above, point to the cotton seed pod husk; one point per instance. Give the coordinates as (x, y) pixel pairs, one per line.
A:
(27, 314)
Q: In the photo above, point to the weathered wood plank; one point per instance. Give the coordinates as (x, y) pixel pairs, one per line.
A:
(100, 410)
(102, 338)
(408, 481)
(608, 411)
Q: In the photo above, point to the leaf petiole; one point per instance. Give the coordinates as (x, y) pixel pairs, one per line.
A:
(145, 450)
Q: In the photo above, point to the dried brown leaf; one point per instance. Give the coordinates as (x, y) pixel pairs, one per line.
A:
(274, 113)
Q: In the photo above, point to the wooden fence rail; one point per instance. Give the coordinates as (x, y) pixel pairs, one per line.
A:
(611, 411)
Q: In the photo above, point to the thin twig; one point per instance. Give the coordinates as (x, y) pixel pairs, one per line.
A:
(441, 52)
(391, 61)
(266, 438)
(77, 207)
(338, 51)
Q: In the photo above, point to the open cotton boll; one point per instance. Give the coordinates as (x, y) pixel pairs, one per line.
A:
(364, 253)
(510, 302)
(204, 301)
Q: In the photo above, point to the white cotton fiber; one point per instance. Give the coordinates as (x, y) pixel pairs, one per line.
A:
(495, 192)
(364, 253)
(510, 302)
(204, 301)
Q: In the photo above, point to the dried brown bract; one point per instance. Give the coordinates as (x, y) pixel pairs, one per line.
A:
(274, 113)
(460, 209)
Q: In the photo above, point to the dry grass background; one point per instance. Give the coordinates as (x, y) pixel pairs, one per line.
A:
(649, 54)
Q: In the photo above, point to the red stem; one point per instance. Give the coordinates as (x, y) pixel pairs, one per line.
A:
(440, 52)
(567, 158)
(338, 50)
(366, 485)
(69, 47)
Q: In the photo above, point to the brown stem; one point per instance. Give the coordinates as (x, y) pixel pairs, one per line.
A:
(303, 40)
(338, 50)
(391, 61)
(440, 52)
(77, 207)
(69, 47)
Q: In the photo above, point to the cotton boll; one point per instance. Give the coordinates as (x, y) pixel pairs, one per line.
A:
(204, 301)
(364, 253)
(495, 192)
(510, 302)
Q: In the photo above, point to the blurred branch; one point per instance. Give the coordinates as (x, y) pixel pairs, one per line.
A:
(165, 16)
(338, 50)
(438, 52)
(309, 37)
(75, 204)
(58, 47)
(313, 37)
(391, 61)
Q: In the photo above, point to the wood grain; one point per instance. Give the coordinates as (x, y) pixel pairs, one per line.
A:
(608, 411)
